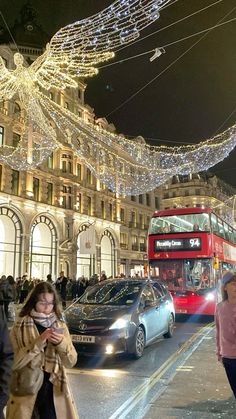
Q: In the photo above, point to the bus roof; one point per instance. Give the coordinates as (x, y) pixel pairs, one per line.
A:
(178, 211)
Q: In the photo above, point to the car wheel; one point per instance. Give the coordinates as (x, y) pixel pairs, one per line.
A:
(139, 343)
(170, 331)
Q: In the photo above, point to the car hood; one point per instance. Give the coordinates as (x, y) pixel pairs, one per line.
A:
(95, 312)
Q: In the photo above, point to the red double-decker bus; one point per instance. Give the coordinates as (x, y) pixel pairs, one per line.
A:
(189, 249)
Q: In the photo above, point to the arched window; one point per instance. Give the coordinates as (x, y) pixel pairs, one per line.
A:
(10, 242)
(86, 251)
(43, 248)
(108, 254)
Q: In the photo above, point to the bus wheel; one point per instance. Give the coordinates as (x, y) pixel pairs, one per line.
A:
(170, 331)
(139, 343)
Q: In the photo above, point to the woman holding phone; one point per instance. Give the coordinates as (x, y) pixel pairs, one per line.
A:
(40, 337)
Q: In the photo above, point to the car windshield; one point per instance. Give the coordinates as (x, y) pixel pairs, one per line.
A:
(112, 294)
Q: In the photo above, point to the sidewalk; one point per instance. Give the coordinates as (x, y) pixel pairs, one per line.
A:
(198, 390)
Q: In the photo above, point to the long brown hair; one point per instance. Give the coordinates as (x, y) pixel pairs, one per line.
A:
(32, 299)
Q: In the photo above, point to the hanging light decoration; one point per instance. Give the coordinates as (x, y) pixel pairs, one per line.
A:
(125, 166)
(74, 51)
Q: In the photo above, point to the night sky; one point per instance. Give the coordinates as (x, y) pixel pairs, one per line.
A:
(191, 101)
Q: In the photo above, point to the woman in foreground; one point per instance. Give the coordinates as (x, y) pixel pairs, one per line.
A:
(41, 340)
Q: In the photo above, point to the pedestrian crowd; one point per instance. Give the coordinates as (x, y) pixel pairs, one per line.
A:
(16, 291)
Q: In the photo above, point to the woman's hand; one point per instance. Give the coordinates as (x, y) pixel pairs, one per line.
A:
(55, 337)
(46, 335)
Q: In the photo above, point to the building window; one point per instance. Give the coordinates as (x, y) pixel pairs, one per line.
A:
(123, 241)
(49, 192)
(148, 199)
(141, 221)
(133, 219)
(69, 202)
(103, 209)
(67, 197)
(89, 201)
(66, 163)
(1, 136)
(63, 166)
(15, 140)
(70, 167)
(134, 240)
(133, 198)
(50, 161)
(111, 211)
(17, 109)
(140, 199)
(122, 214)
(89, 178)
(51, 96)
(15, 182)
(36, 188)
(79, 171)
(142, 244)
(157, 206)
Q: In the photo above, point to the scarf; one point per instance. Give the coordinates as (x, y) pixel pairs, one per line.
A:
(45, 320)
(26, 334)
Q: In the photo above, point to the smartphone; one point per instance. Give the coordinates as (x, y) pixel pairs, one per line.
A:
(59, 330)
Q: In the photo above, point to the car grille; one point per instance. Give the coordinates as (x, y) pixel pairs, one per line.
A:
(91, 329)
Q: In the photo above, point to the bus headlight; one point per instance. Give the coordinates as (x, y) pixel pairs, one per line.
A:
(210, 296)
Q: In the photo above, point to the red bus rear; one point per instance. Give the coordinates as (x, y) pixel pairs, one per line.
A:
(188, 249)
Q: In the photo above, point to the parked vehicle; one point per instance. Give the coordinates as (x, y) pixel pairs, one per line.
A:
(121, 315)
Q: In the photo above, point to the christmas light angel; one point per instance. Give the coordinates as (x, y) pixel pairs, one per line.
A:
(74, 52)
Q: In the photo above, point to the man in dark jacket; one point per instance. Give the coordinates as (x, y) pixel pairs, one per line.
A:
(6, 293)
(61, 284)
(6, 358)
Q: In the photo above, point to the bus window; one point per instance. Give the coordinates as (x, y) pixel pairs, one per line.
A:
(231, 235)
(214, 224)
(221, 229)
(226, 231)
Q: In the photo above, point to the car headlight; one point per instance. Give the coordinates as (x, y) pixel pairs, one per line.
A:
(210, 296)
(120, 323)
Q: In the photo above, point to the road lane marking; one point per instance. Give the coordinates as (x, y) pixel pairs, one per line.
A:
(98, 373)
(141, 391)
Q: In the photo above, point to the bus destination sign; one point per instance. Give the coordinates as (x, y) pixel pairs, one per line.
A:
(190, 243)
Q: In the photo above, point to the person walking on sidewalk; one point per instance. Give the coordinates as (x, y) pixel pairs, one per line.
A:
(225, 318)
(40, 338)
(6, 359)
(61, 285)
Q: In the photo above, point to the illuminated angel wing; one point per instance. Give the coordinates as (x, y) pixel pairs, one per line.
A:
(8, 82)
(76, 49)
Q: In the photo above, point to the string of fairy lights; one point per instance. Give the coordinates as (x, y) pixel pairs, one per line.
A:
(124, 166)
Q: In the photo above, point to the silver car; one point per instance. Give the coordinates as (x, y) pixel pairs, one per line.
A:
(122, 315)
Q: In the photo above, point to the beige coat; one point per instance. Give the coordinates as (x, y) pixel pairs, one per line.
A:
(22, 407)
